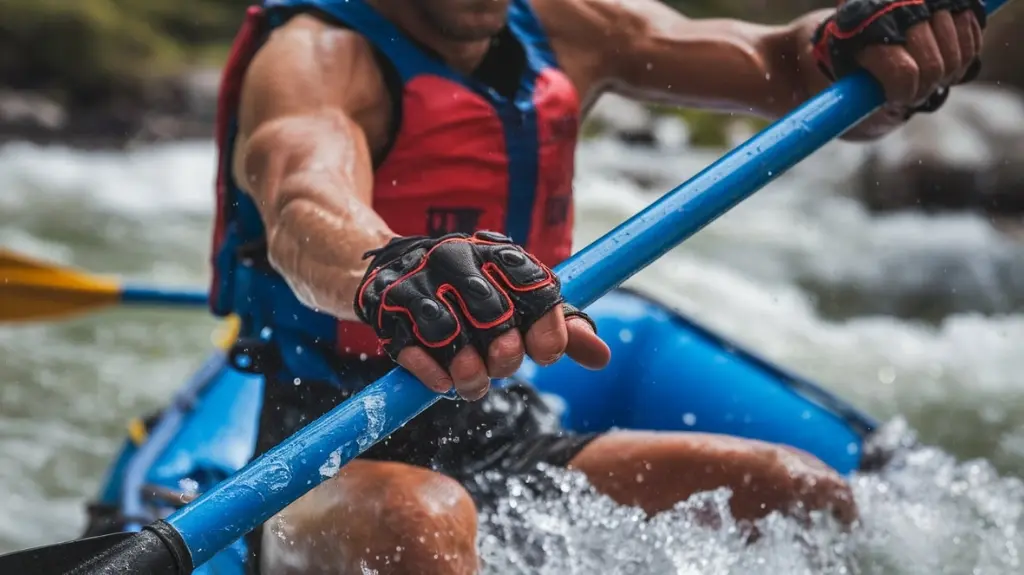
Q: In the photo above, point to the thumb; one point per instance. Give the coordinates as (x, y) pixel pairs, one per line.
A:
(584, 346)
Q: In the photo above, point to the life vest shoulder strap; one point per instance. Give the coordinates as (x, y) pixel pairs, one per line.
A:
(524, 21)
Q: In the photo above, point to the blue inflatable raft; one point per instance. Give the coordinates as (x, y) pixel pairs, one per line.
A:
(666, 373)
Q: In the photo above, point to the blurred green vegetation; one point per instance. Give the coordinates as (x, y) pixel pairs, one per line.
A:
(92, 52)
(86, 53)
(91, 49)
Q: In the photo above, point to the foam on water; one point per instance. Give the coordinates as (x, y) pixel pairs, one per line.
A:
(763, 275)
(923, 514)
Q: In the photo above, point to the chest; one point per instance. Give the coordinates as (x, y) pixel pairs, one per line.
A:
(448, 125)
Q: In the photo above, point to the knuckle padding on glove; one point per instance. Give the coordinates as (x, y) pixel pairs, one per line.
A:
(857, 24)
(449, 292)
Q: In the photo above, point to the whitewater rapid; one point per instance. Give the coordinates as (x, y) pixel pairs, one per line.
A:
(800, 273)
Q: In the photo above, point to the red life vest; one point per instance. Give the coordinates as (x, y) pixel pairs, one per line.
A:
(464, 158)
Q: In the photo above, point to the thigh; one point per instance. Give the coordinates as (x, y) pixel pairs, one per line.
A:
(656, 470)
(382, 516)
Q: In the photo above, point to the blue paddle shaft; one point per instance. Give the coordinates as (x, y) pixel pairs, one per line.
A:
(144, 295)
(276, 479)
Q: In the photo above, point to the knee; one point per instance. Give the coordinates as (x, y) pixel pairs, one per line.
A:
(768, 477)
(427, 524)
(812, 484)
(387, 518)
(763, 477)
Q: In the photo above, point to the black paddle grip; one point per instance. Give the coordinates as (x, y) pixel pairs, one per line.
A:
(156, 550)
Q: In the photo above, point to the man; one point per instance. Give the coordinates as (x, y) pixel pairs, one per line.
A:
(357, 138)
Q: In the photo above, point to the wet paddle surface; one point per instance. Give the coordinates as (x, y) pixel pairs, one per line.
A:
(799, 273)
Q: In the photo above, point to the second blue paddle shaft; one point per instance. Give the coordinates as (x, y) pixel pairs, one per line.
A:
(283, 474)
(163, 296)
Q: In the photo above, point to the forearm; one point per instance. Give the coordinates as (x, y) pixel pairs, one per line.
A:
(660, 55)
(319, 250)
(791, 74)
(312, 180)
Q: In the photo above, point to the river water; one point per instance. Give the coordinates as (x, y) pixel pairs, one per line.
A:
(799, 272)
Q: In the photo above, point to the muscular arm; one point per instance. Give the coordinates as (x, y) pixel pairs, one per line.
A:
(651, 52)
(304, 158)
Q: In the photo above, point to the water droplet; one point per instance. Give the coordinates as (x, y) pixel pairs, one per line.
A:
(887, 374)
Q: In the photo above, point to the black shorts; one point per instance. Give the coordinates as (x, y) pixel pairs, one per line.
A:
(511, 431)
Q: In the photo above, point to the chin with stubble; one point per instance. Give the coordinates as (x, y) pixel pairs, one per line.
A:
(466, 20)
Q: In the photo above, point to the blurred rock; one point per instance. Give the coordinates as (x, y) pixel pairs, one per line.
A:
(967, 156)
(624, 119)
(671, 132)
(665, 127)
(174, 108)
(30, 111)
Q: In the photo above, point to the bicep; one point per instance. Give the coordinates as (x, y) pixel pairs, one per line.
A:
(295, 125)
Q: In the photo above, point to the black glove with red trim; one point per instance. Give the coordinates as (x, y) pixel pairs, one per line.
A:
(857, 24)
(445, 293)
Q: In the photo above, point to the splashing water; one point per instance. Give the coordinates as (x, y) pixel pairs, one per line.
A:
(922, 514)
(927, 514)
(760, 275)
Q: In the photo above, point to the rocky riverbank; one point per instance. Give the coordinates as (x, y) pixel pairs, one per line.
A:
(968, 157)
(110, 72)
(146, 71)
(117, 72)
(177, 107)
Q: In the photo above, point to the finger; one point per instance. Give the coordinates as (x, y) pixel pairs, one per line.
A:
(965, 23)
(469, 374)
(894, 69)
(585, 347)
(505, 354)
(547, 338)
(421, 365)
(979, 43)
(945, 33)
(925, 51)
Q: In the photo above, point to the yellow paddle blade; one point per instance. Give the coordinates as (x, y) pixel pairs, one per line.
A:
(31, 289)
